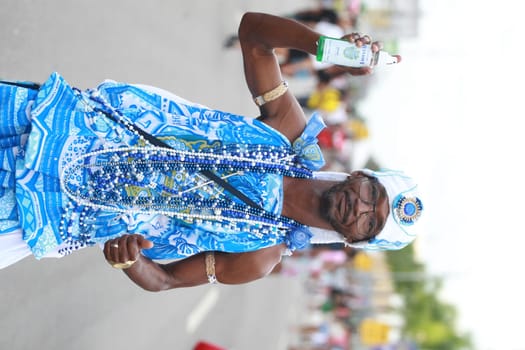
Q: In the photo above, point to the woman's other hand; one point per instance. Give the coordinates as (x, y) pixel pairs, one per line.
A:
(124, 251)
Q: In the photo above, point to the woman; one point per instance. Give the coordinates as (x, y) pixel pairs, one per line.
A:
(87, 167)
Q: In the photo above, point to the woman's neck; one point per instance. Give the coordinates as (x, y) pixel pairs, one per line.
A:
(302, 201)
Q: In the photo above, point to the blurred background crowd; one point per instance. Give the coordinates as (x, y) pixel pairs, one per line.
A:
(358, 299)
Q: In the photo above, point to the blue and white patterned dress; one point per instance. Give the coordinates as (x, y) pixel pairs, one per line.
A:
(43, 132)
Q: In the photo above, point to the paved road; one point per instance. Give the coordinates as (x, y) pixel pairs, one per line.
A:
(79, 302)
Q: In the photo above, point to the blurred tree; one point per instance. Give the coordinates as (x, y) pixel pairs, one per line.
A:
(372, 164)
(429, 321)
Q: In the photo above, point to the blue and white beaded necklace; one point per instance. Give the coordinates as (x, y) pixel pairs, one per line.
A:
(136, 179)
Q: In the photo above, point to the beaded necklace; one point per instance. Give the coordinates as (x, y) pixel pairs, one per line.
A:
(139, 179)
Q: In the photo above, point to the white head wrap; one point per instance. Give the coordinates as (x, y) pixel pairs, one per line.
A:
(405, 210)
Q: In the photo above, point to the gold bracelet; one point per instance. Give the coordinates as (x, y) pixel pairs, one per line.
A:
(271, 95)
(210, 268)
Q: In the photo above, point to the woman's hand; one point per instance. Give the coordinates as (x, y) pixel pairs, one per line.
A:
(122, 252)
(360, 40)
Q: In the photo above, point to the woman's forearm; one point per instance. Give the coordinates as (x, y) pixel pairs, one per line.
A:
(148, 275)
(155, 277)
(272, 32)
(192, 271)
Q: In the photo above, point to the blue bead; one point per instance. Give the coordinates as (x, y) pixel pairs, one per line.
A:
(409, 209)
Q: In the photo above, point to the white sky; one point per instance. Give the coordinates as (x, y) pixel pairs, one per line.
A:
(451, 115)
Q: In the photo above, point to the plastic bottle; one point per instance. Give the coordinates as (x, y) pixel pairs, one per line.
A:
(345, 53)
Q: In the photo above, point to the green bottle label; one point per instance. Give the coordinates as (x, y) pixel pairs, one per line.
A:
(320, 48)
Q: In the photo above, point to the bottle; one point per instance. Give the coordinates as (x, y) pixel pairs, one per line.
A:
(345, 53)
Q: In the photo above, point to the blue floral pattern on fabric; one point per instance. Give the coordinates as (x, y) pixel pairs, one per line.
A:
(64, 128)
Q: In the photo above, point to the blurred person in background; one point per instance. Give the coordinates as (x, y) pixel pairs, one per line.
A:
(330, 102)
(326, 22)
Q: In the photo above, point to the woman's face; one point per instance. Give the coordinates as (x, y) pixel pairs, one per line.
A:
(357, 208)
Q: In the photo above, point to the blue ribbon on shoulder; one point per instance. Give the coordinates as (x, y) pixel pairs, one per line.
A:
(306, 146)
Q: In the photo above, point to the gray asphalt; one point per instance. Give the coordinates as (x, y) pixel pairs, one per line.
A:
(79, 302)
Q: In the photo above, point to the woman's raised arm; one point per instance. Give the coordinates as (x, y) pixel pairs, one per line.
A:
(259, 35)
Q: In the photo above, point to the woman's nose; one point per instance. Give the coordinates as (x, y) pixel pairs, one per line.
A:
(361, 207)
